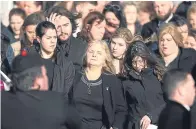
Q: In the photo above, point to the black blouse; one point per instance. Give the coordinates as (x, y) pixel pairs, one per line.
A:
(50, 70)
(89, 102)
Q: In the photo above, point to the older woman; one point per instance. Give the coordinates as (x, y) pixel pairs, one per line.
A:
(170, 49)
(97, 92)
(143, 85)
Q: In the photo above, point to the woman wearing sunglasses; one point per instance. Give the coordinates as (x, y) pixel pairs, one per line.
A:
(114, 17)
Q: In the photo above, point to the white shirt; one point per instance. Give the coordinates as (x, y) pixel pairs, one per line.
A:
(166, 21)
(187, 107)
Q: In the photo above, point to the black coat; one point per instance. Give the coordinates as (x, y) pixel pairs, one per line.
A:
(186, 61)
(183, 8)
(63, 73)
(174, 116)
(193, 116)
(74, 50)
(144, 97)
(5, 67)
(115, 109)
(152, 27)
(37, 110)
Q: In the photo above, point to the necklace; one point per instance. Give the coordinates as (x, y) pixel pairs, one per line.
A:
(90, 84)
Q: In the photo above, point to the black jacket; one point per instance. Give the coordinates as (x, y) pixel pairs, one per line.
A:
(186, 60)
(152, 27)
(193, 115)
(115, 110)
(144, 97)
(37, 110)
(74, 50)
(183, 8)
(64, 70)
(5, 66)
(174, 116)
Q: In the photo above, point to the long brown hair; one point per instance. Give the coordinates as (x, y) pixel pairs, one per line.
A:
(87, 25)
(32, 19)
(128, 37)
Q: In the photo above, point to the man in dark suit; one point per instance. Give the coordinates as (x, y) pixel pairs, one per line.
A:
(30, 105)
(163, 10)
(65, 23)
(179, 88)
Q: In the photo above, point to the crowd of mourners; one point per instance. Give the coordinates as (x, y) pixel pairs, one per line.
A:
(99, 65)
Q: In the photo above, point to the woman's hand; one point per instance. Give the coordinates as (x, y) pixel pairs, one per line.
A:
(145, 122)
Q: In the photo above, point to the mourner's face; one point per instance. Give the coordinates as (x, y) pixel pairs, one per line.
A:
(167, 45)
(184, 32)
(49, 40)
(130, 12)
(111, 18)
(163, 9)
(64, 28)
(30, 7)
(96, 55)
(138, 63)
(98, 29)
(16, 22)
(143, 17)
(118, 47)
(190, 90)
(30, 32)
(192, 20)
(190, 42)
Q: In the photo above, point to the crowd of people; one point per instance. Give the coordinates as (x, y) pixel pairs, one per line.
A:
(99, 65)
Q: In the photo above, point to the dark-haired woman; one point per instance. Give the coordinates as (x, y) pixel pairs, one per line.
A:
(114, 18)
(16, 20)
(60, 70)
(143, 86)
(27, 35)
(93, 27)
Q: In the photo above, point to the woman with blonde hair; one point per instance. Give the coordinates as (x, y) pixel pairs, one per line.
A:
(171, 51)
(97, 92)
(121, 39)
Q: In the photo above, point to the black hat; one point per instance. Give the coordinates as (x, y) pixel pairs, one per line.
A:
(24, 62)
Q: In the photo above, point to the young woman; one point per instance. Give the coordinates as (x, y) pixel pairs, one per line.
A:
(190, 41)
(114, 18)
(130, 11)
(143, 87)
(118, 46)
(191, 16)
(171, 51)
(27, 35)
(93, 27)
(16, 20)
(60, 71)
(97, 93)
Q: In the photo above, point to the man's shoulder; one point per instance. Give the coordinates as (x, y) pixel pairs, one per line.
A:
(151, 23)
(78, 41)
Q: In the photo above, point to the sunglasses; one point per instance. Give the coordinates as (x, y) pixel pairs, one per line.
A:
(111, 6)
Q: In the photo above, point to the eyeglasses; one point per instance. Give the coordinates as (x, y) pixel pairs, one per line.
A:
(111, 6)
